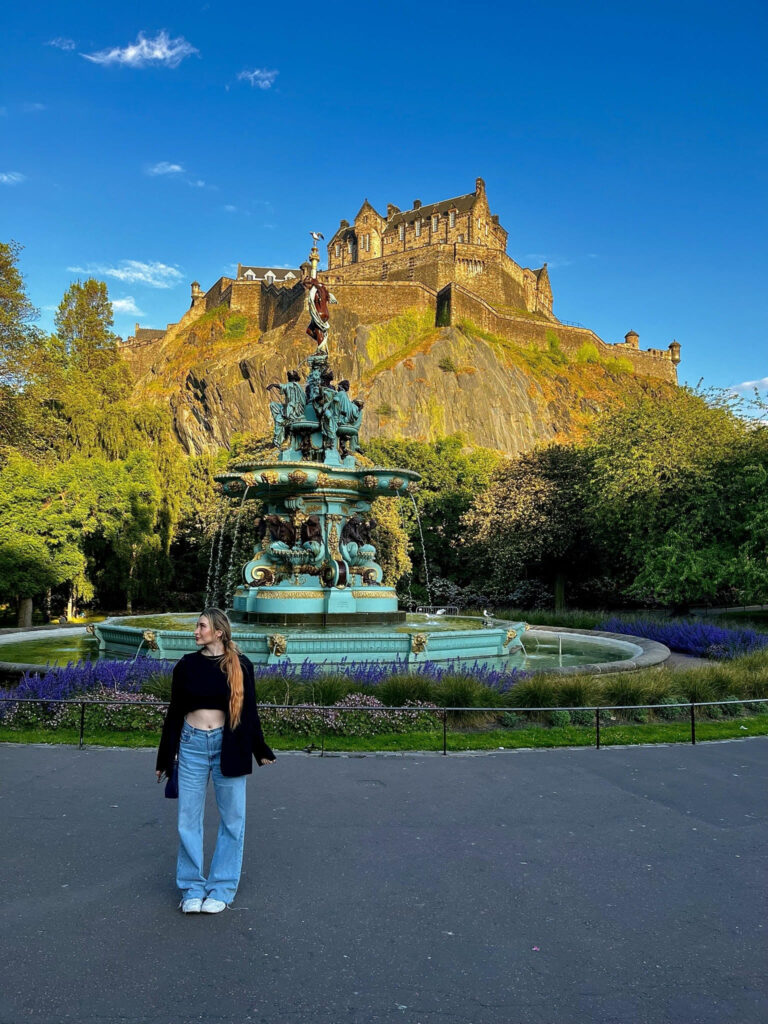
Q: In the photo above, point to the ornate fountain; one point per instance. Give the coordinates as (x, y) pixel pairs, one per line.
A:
(314, 563)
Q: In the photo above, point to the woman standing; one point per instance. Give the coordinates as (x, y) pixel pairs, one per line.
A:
(212, 726)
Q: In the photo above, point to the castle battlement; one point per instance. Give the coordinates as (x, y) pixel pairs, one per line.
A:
(449, 257)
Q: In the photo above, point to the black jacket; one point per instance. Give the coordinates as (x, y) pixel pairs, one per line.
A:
(238, 747)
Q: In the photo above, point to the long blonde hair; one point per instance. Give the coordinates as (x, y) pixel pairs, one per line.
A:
(230, 663)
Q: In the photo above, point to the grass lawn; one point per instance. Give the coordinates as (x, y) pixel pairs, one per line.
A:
(527, 736)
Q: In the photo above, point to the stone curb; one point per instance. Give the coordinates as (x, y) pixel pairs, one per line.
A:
(654, 653)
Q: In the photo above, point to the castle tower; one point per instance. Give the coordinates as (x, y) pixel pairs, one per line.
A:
(197, 293)
(674, 352)
(632, 339)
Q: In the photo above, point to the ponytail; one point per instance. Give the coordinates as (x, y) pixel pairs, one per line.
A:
(230, 663)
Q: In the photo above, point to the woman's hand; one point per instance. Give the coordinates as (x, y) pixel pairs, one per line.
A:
(159, 776)
(264, 760)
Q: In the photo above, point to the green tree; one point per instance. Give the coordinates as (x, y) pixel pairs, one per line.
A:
(530, 524)
(19, 340)
(452, 473)
(679, 499)
(84, 325)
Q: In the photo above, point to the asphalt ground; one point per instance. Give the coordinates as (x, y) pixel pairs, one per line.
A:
(623, 885)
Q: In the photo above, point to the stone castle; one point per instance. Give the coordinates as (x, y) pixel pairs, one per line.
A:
(447, 258)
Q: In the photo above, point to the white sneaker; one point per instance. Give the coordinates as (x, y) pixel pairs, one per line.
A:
(193, 906)
(211, 906)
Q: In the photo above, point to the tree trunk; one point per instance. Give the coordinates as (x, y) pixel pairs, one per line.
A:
(71, 605)
(560, 592)
(47, 605)
(25, 612)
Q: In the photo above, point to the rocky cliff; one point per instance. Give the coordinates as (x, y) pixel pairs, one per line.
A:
(417, 380)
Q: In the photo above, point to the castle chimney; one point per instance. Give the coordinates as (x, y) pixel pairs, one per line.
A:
(632, 339)
(392, 210)
(495, 218)
(674, 352)
(344, 223)
(479, 187)
(417, 204)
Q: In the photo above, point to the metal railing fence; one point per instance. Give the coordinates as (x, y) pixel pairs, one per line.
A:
(325, 710)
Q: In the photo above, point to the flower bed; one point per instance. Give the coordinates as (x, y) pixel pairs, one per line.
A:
(691, 637)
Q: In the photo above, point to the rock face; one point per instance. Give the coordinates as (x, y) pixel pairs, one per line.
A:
(417, 380)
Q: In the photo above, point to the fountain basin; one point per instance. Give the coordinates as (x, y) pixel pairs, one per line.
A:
(462, 642)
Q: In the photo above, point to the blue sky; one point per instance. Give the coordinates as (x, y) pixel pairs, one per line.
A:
(154, 144)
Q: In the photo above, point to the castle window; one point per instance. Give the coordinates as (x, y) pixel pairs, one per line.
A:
(349, 247)
(417, 225)
(435, 222)
(461, 238)
(401, 232)
(269, 277)
(367, 243)
(338, 251)
(452, 219)
(486, 230)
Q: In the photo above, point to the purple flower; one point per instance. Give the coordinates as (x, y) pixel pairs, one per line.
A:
(691, 637)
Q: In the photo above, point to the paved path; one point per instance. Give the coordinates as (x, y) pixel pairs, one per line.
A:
(621, 886)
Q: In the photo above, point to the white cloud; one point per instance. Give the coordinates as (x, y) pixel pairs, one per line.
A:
(32, 108)
(155, 275)
(164, 167)
(11, 178)
(61, 43)
(747, 387)
(126, 305)
(260, 78)
(162, 50)
(196, 183)
(230, 209)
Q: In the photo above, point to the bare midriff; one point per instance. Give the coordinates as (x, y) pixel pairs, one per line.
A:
(205, 718)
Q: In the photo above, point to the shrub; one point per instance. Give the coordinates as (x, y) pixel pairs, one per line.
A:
(587, 353)
(447, 365)
(236, 326)
(344, 718)
(558, 717)
(583, 717)
(691, 637)
(668, 713)
(400, 688)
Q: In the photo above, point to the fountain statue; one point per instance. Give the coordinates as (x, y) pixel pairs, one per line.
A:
(314, 562)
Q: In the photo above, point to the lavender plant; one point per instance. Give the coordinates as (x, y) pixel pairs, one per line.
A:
(691, 637)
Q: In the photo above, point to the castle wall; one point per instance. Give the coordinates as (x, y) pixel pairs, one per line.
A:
(216, 294)
(456, 303)
(488, 272)
(379, 300)
(245, 297)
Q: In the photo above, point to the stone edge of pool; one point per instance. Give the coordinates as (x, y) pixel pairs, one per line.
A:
(652, 653)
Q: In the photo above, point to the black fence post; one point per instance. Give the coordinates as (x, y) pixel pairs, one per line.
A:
(82, 724)
(693, 723)
(445, 732)
(322, 732)
(597, 728)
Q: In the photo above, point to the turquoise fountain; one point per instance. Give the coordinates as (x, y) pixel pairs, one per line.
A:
(313, 590)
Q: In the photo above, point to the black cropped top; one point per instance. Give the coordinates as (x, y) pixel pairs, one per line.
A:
(204, 683)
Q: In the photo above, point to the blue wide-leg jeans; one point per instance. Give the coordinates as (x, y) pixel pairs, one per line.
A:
(199, 759)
